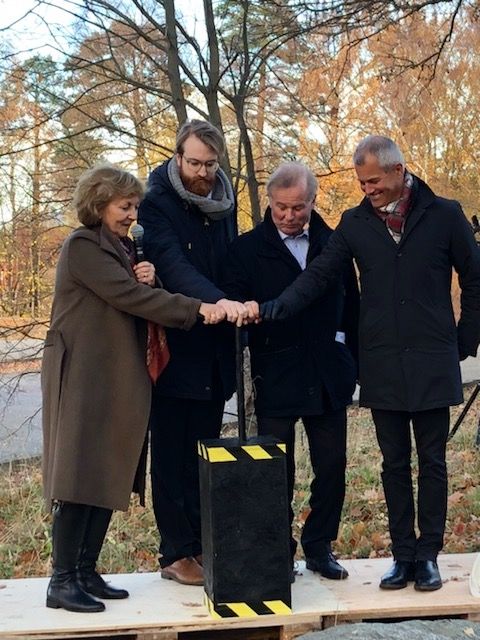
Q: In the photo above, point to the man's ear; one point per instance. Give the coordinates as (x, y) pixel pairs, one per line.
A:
(178, 158)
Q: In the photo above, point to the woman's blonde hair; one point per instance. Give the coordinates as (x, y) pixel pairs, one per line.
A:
(100, 185)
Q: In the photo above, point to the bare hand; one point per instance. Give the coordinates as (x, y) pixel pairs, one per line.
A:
(253, 312)
(212, 313)
(236, 312)
(145, 272)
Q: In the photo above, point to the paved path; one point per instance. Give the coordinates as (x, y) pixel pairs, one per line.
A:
(20, 419)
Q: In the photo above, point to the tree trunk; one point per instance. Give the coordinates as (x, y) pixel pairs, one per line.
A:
(173, 63)
(211, 91)
(35, 228)
(252, 183)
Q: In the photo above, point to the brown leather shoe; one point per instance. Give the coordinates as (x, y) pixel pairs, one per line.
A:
(184, 571)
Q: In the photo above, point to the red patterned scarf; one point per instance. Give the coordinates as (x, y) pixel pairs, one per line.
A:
(395, 213)
(158, 353)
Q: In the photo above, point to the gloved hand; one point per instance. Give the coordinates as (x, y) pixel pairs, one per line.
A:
(273, 310)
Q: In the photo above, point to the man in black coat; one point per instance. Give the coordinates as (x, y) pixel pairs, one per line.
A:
(189, 217)
(405, 241)
(301, 368)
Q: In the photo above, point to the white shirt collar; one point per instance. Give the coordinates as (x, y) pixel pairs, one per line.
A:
(302, 234)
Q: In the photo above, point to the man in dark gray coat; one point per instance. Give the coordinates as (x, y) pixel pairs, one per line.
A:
(405, 241)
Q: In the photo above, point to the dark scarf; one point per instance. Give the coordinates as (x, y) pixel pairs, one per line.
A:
(395, 213)
(219, 206)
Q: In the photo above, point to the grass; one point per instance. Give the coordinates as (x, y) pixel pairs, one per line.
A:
(132, 540)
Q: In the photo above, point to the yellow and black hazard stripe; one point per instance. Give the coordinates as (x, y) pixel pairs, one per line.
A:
(241, 452)
(247, 609)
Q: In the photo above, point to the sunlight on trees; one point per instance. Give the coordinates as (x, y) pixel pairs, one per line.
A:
(282, 79)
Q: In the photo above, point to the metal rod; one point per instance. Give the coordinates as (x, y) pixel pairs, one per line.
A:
(242, 429)
(460, 418)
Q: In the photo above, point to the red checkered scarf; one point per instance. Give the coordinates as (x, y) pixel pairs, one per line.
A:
(395, 213)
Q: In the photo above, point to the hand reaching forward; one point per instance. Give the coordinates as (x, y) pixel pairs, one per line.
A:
(253, 312)
(273, 310)
(212, 313)
(236, 312)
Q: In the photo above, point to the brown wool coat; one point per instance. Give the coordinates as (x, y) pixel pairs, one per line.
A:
(95, 385)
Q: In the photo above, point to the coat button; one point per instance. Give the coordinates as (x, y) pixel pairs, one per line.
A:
(402, 301)
(399, 254)
(208, 389)
(407, 349)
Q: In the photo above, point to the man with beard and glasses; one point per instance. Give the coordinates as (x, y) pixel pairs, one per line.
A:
(189, 217)
(405, 241)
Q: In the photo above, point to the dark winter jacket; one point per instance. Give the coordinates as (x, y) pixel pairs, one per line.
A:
(296, 364)
(409, 344)
(188, 250)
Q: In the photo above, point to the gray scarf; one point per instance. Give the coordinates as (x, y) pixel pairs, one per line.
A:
(219, 206)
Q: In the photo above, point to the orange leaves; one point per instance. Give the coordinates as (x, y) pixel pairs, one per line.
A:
(373, 496)
(455, 498)
(379, 541)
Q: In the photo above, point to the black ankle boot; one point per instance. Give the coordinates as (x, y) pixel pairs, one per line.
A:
(64, 590)
(88, 578)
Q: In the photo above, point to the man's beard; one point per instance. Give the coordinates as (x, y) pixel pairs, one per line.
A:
(199, 185)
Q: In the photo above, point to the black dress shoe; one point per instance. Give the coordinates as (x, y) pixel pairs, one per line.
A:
(427, 576)
(293, 571)
(398, 576)
(328, 567)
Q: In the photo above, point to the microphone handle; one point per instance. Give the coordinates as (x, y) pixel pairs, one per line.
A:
(139, 255)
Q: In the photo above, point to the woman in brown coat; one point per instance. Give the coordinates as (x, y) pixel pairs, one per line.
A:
(95, 383)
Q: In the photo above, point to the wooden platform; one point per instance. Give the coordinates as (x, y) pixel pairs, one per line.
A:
(159, 609)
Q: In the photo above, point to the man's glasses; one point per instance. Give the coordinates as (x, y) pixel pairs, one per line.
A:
(210, 165)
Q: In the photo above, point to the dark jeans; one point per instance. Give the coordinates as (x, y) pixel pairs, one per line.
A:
(327, 443)
(430, 429)
(176, 424)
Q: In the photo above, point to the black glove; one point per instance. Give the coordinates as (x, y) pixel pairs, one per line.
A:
(273, 310)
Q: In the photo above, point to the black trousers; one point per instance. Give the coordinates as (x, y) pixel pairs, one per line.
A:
(326, 435)
(176, 425)
(430, 429)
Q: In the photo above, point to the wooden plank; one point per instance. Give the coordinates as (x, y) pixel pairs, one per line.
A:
(267, 633)
(292, 631)
(161, 607)
(157, 635)
(360, 598)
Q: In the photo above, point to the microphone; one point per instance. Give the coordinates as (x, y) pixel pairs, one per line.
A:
(137, 232)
